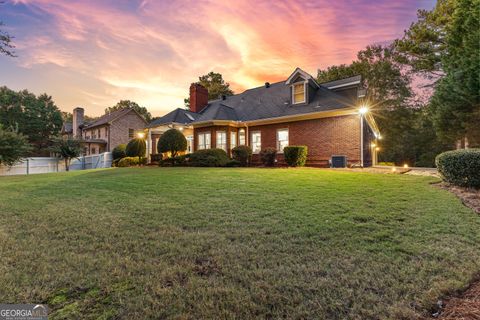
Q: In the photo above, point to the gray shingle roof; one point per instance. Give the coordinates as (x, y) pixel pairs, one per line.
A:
(263, 103)
(177, 116)
(341, 82)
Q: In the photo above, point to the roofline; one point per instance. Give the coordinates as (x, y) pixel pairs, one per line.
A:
(114, 119)
(343, 85)
(169, 123)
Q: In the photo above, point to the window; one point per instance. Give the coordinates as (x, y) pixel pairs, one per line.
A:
(299, 93)
(189, 144)
(98, 132)
(222, 140)
(204, 140)
(233, 140)
(241, 137)
(106, 132)
(131, 133)
(282, 139)
(256, 142)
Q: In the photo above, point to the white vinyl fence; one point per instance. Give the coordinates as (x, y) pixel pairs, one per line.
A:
(50, 164)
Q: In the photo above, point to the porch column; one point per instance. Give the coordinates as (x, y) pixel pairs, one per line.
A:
(149, 145)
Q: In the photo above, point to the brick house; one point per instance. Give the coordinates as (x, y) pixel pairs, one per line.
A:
(326, 117)
(106, 132)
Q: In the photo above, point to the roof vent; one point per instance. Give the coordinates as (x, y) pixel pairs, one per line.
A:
(267, 84)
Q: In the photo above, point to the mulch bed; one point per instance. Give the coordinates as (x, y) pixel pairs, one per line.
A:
(466, 306)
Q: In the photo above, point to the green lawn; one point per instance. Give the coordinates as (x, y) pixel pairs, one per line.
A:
(192, 243)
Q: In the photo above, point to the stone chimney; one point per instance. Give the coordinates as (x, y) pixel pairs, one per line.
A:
(77, 122)
(198, 97)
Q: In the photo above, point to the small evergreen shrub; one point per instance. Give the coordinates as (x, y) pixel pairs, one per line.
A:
(460, 167)
(156, 157)
(295, 156)
(209, 158)
(128, 162)
(175, 161)
(268, 156)
(119, 151)
(242, 154)
(136, 148)
(172, 141)
(233, 163)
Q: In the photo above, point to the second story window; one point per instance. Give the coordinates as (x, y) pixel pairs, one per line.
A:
(298, 93)
(106, 132)
(99, 134)
(131, 133)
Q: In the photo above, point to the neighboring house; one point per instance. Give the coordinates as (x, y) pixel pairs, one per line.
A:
(106, 132)
(325, 117)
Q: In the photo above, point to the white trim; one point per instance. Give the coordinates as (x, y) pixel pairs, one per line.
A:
(304, 92)
(344, 85)
(277, 140)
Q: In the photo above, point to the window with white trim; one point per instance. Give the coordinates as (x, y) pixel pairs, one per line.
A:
(241, 137)
(298, 93)
(189, 144)
(222, 140)
(204, 140)
(282, 139)
(233, 140)
(256, 142)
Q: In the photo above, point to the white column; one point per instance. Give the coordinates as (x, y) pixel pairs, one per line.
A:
(149, 145)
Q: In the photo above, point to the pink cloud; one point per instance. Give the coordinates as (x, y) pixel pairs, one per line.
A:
(150, 51)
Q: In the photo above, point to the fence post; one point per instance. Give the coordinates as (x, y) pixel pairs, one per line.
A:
(28, 166)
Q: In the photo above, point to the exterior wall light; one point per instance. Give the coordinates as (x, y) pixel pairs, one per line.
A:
(140, 135)
(405, 165)
(363, 110)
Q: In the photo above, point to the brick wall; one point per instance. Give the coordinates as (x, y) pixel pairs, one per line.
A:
(119, 128)
(323, 137)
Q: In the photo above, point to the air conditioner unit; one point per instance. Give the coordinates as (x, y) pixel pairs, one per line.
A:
(339, 162)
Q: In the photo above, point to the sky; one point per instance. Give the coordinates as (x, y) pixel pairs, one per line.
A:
(93, 53)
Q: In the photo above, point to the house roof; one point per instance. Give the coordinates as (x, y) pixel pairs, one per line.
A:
(176, 116)
(67, 127)
(271, 101)
(110, 117)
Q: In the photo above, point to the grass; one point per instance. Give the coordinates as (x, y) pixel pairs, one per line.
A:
(192, 243)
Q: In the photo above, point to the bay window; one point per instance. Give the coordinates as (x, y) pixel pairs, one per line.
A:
(233, 140)
(204, 140)
(241, 137)
(222, 140)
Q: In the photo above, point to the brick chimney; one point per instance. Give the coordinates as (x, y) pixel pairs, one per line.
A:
(198, 97)
(77, 121)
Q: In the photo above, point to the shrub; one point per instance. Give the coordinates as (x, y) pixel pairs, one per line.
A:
(156, 157)
(175, 161)
(268, 156)
(295, 156)
(390, 164)
(242, 154)
(233, 163)
(172, 141)
(460, 167)
(209, 158)
(136, 148)
(128, 162)
(119, 151)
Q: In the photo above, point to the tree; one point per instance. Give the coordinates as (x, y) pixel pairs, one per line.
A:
(172, 141)
(67, 149)
(119, 151)
(13, 146)
(215, 85)
(6, 45)
(38, 118)
(445, 42)
(136, 148)
(122, 104)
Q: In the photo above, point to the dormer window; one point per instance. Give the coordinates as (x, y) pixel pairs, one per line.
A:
(298, 93)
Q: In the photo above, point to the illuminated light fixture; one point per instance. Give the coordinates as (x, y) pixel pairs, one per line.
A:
(141, 135)
(180, 128)
(394, 169)
(363, 110)
(405, 165)
(377, 148)
(373, 145)
(379, 137)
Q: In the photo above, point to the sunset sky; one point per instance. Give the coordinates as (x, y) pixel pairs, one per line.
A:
(92, 53)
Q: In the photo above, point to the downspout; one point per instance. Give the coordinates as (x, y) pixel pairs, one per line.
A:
(361, 140)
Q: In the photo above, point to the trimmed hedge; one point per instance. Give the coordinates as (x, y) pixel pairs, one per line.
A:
(136, 148)
(268, 156)
(175, 161)
(119, 151)
(295, 156)
(131, 161)
(242, 154)
(209, 158)
(460, 167)
(172, 141)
